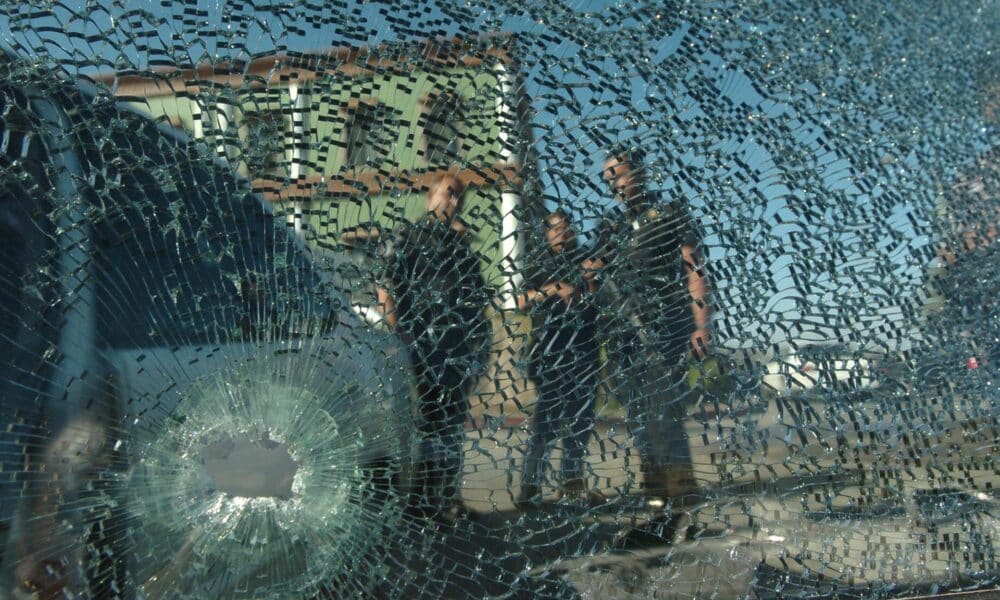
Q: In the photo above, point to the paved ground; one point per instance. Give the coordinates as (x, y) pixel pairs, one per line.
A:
(868, 495)
(494, 459)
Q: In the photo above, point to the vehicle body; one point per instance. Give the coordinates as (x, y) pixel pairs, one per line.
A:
(139, 269)
(833, 368)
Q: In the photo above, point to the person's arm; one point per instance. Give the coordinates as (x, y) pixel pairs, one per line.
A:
(387, 306)
(591, 267)
(538, 286)
(563, 290)
(356, 234)
(529, 297)
(697, 284)
(602, 255)
(391, 273)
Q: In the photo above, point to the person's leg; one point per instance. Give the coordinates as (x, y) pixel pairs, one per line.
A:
(644, 381)
(455, 411)
(577, 412)
(669, 469)
(626, 379)
(426, 472)
(543, 436)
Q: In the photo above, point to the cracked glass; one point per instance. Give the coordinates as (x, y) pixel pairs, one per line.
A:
(434, 299)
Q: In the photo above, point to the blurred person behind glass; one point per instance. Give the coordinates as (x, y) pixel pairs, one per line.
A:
(433, 293)
(563, 361)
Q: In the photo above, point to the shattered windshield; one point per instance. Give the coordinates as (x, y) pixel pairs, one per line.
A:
(467, 299)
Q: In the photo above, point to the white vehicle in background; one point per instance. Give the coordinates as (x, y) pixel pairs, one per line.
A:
(820, 367)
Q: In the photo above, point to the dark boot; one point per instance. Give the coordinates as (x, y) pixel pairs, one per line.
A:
(425, 499)
(576, 489)
(530, 496)
(675, 483)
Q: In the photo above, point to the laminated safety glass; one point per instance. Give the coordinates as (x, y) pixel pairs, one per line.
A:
(421, 299)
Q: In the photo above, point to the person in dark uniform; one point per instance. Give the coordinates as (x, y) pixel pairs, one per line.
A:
(432, 292)
(563, 361)
(653, 280)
